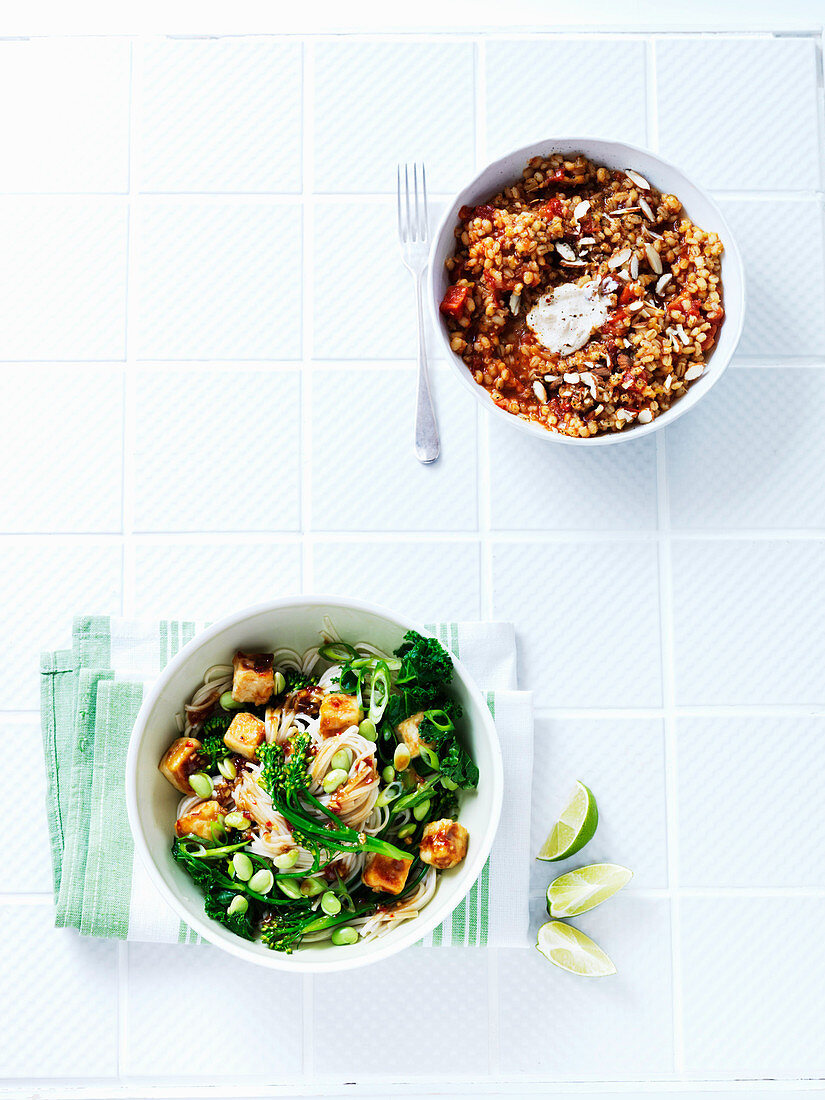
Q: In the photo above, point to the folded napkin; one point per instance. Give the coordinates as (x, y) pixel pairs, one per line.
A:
(90, 697)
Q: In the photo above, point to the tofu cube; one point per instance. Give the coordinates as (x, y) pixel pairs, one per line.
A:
(386, 874)
(408, 732)
(179, 761)
(199, 820)
(253, 680)
(244, 735)
(444, 843)
(338, 712)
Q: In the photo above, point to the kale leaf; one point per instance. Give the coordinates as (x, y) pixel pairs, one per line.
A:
(218, 890)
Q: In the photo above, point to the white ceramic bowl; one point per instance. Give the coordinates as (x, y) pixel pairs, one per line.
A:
(700, 208)
(152, 801)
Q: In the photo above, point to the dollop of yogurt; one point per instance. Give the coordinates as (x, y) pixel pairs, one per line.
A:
(564, 320)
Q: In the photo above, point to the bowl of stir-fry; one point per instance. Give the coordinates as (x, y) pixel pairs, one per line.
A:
(314, 784)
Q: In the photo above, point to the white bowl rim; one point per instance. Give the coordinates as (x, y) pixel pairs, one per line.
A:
(734, 310)
(411, 931)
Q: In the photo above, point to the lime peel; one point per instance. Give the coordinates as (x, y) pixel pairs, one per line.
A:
(575, 827)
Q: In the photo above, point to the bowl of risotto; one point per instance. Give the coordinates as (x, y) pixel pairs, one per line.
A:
(314, 784)
(586, 291)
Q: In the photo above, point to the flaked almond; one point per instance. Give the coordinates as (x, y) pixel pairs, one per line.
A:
(694, 372)
(644, 206)
(619, 258)
(515, 301)
(645, 416)
(654, 259)
(634, 266)
(640, 181)
(581, 209)
(668, 381)
(624, 414)
(565, 251)
(598, 409)
(683, 336)
(587, 240)
(620, 210)
(662, 283)
(540, 392)
(571, 377)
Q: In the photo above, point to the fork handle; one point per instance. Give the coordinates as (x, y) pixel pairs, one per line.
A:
(427, 444)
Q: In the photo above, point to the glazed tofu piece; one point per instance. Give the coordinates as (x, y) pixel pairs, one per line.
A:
(245, 734)
(179, 761)
(408, 732)
(338, 712)
(199, 820)
(444, 843)
(253, 680)
(386, 874)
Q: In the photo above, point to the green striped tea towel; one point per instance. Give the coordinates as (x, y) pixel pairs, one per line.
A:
(90, 697)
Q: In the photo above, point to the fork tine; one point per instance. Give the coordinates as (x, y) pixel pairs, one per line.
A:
(426, 226)
(401, 235)
(408, 236)
(417, 222)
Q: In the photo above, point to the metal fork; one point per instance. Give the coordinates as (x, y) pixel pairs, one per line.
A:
(414, 235)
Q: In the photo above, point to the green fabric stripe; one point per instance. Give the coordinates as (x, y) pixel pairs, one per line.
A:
(472, 906)
(110, 841)
(57, 688)
(163, 640)
(92, 641)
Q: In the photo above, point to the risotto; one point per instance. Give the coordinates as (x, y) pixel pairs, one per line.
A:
(582, 298)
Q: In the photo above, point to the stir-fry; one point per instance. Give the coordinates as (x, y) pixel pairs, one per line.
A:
(321, 790)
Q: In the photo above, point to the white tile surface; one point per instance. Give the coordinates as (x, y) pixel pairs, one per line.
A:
(43, 584)
(557, 1026)
(64, 1018)
(66, 126)
(769, 476)
(207, 580)
(440, 1029)
(747, 622)
(433, 580)
(63, 278)
(577, 647)
(217, 450)
(412, 101)
(220, 115)
(219, 280)
(371, 450)
(78, 414)
(552, 69)
(712, 119)
(749, 793)
(622, 761)
(539, 486)
(753, 987)
(180, 977)
(782, 316)
(25, 858)
(371, 315)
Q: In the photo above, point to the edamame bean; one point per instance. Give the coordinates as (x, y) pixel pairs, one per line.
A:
(334, 779)
(280, 683)
(227, 768)
(287, 860)
(242, 866)
(290, 887)
(330, 904)
(201, 784)
(342, 760)
(343, 936)
(421, 810)
(406, 830)
(368, 729)
(237, 820)
(228, 703)
(239, 904)
(311, 887)
(401, 758)
(388, 774)
(261, 882)
(448, 784)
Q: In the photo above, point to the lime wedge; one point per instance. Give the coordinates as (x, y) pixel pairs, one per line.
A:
(584, 889)
(570, 949)
(575, 827)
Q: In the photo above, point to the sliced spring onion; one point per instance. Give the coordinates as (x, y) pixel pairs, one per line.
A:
(290, 887)
(428, 756)
(440, 719)
(407, 830)
(337, 652)
(280, 683)
(380, 683)
(401, 758)
(388, 794)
